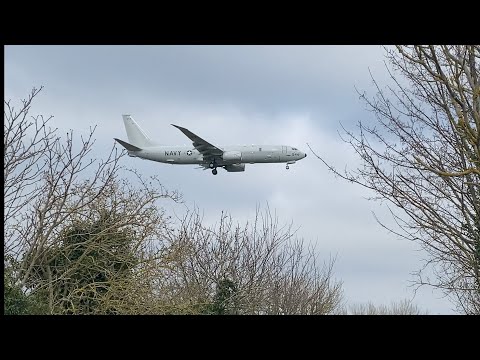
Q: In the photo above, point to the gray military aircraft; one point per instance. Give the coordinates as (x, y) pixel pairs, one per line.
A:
(203, 153)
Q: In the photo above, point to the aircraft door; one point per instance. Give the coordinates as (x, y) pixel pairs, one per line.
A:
(284, 153)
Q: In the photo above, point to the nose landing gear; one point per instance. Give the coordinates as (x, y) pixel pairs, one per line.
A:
(214, 171)
(289, 163)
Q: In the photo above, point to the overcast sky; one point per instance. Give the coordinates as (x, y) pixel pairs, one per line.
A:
(240, 95)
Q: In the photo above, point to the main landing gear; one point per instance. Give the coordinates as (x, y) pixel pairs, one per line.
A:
(287, 167)
(213, 166)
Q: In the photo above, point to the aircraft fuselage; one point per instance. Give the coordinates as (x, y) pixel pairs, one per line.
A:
(232, 158)
(246, 154)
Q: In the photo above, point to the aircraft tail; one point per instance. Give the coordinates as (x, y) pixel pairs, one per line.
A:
(136, 136)
(127, 146)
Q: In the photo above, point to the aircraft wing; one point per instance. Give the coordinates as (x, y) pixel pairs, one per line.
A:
(208, 150)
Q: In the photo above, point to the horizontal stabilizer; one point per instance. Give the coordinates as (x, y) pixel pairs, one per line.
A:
(128, 146)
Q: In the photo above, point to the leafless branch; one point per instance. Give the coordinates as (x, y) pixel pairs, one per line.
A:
(421, 154)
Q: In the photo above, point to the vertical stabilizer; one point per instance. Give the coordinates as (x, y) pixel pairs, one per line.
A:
(136, 136)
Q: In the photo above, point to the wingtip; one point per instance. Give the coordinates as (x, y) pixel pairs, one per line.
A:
(178, 127)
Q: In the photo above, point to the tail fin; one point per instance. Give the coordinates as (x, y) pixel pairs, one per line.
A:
(135, 134)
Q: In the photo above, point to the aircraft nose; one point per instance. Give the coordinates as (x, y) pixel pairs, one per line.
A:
(305, 155)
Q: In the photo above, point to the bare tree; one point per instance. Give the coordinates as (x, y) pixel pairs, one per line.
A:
(259, 268)
(403, 307)
(54, 185)
(422, 155)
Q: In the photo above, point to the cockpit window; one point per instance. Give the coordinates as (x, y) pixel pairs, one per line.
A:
(294, 149)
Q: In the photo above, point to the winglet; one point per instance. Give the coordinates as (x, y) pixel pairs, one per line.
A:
(187, 132)
(127, 146)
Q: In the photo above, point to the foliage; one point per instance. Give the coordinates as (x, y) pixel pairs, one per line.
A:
(15, 301)
(82, 266)
(81, 229)
(223, 301)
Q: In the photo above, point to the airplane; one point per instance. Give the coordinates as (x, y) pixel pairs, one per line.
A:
(203, 153)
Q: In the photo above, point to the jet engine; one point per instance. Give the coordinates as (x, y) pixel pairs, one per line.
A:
(232, 156)
(235, 167)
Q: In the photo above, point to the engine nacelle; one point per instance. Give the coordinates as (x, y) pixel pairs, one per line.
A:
(235, 167)
(232, 156)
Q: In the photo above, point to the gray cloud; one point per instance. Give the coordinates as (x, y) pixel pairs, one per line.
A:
(238, 95)
(264, 79)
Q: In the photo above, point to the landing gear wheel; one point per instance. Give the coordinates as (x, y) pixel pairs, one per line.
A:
(211, 165)
(288, 167)
(214, 171)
